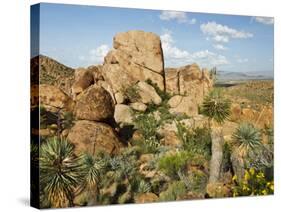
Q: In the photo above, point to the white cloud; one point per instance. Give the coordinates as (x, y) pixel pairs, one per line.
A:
(264, 20)
(223, 33)
(244, 60)
(219, 47)
(175, 56)
(192, 21)
(96, 55)
(170, 15)
(180, 17)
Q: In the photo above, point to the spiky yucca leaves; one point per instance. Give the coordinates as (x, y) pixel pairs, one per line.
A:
(247, 138)
(216, 107)
(93, 169)
(61, 171)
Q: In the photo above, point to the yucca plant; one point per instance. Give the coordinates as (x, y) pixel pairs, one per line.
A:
(93, 168)
(247, 138)
(61, 171)
(216, 107)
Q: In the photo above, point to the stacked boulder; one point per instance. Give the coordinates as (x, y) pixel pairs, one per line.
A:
(93, 109)
(105, 95)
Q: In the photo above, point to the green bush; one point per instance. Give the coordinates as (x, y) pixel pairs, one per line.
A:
(176, 190)
(196, 140)
(172, 164)
(147, 124)
(131, 93)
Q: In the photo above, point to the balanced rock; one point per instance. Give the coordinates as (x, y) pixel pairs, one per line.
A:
(94, 104)
(137, 56)
(94, 137)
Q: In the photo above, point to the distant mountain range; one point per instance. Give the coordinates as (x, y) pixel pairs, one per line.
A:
(226, 76)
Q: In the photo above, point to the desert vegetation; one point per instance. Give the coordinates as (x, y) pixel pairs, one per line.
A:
(138, 138)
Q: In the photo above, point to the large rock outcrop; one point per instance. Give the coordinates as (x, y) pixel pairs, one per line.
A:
(94, 137)
(188, 80)
(94, 104)
(137, 56)
(52, 97)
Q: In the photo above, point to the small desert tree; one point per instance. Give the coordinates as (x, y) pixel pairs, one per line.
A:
(217, 109)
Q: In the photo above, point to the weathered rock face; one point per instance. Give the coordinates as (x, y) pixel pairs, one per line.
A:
(94, 104)
(51, 96)
(137, 56)
(183, 105)
(51, 72)
(188, 80)
(123, 114)
(94, 137)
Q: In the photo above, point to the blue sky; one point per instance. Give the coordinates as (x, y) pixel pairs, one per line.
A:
(79, 36)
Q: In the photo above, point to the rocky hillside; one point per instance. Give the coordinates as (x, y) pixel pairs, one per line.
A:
(144, 133)
(52, 72)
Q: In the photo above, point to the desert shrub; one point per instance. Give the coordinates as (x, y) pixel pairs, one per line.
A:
(196, 181)
(172, 164)
(67, 121)
(196, 140)
(131, 93)
(175, 191)
(61, 171)
(147, 124)
(149, 145)
(215, 106)
(253, 183)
